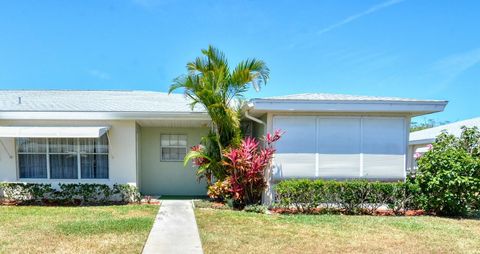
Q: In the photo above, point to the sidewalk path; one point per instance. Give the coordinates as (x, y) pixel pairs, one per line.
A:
(175, 229)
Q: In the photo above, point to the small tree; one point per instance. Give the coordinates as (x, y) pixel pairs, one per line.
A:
(449, 174)
(211, 83)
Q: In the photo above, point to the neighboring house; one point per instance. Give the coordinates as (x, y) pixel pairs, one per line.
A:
(141, 138)
(419, 140)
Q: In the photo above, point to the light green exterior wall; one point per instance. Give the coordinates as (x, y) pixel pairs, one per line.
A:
(168, 178)
(259, 129)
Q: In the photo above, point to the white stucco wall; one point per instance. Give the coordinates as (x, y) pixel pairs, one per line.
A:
(122, 157)
(411, 160)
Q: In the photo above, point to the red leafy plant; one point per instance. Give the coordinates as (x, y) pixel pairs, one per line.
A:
(246, 167)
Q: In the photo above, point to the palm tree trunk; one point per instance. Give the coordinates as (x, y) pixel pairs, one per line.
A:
(217, 133)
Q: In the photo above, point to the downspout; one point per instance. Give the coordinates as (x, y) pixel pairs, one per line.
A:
(267, 195)
(255, 119)
(110, 146)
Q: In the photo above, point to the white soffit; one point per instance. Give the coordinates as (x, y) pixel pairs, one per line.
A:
(422, 150)
(52, 132)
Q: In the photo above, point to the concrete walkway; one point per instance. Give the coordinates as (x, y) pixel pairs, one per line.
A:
(175, 229)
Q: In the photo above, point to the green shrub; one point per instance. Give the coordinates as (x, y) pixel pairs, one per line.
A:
(127, 192)
(72, 193)
(26, 192)
(352, 197)
(255, 209)
(449, 174)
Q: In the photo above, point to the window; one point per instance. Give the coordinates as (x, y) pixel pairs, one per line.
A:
(173, 147)
(94, 157)
(32, 157)
(63, 158)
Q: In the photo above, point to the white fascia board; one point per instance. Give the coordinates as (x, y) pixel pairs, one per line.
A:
(63, 115)
(421, 141)
(410, 107)
(52, 131)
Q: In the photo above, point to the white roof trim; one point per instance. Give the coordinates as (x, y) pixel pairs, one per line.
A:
(52, 132)
(421, 141)
(422, 149)
(428, 136)
(65, 115)
(409, 107)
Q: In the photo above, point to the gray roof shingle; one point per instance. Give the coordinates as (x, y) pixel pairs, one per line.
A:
(138, 101)
(94, 101)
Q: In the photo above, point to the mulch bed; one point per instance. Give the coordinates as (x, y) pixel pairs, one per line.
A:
(378, 212)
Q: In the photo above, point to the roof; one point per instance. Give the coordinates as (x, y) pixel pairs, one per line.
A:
(428, 136)
(93, 101)
(342, 97)
(101, 104)
(321, 102)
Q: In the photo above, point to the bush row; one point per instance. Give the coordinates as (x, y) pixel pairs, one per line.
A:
(351, 197)
(68, 194)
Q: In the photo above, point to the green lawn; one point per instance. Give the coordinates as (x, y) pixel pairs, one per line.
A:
(226, 231)
(99, 229)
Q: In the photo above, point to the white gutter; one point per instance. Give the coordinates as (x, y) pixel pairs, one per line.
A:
(411, 107)
(64, 115)
(255, 119)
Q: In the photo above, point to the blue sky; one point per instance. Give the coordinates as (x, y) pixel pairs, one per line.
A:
(411, 48)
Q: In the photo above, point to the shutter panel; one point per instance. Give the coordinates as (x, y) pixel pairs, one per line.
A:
(295, 156)
(383, 148)
(339, 147)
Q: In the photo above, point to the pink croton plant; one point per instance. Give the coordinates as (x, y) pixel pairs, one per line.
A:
(246, 167)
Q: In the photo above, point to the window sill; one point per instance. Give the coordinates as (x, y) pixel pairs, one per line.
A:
(45, 180)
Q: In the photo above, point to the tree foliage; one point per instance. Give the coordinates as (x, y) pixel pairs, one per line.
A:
(449, 174)
(430, 123)
(212, 83)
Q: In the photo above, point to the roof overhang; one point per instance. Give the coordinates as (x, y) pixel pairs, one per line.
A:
(101, 115)
(413, 108)
(422, 141)
(52, 131)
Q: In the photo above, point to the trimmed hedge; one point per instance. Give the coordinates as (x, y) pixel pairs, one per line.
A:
(68, 194)
(351, 197)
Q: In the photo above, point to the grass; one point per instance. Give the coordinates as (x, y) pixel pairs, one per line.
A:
(96, 229)
(226, 231)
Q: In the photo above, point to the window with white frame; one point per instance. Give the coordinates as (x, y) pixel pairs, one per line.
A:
(173, 147)
(63, 158)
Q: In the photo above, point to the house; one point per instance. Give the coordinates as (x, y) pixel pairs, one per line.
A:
(141, 138)
(419, 140)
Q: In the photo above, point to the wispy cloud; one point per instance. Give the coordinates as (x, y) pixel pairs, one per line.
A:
(372, 9)
(308, 39)
(450, 67)
(99, 74)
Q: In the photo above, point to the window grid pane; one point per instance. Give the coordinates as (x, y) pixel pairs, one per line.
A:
(63, 166)
(32, 165)
(173, 147)
(31, 145)
(94, 145)
(94, 166)
(62, 145)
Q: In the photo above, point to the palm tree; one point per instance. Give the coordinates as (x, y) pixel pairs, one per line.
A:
(211, 83)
